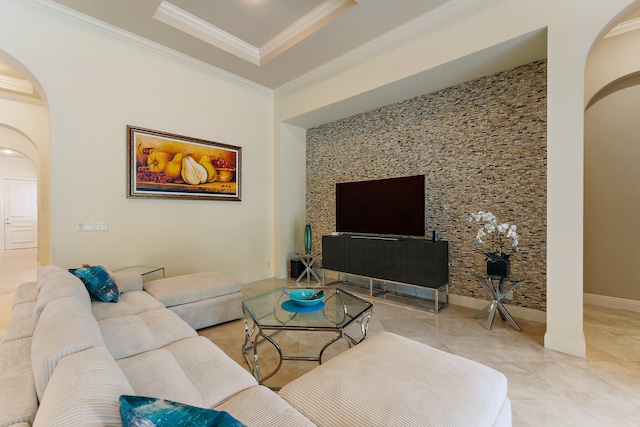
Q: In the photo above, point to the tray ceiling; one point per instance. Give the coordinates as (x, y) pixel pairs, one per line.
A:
(269, 42)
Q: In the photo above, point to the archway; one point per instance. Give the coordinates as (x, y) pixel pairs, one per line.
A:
(24, 127)
(611, 180)
(612, 98)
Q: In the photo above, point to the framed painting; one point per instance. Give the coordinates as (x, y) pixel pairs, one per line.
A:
(165, 165)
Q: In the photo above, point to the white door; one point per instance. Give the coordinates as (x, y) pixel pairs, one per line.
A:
(20, 214)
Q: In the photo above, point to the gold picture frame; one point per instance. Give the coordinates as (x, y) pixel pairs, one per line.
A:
(163, 165)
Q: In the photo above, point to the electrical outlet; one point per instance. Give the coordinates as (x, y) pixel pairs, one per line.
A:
(509, 295)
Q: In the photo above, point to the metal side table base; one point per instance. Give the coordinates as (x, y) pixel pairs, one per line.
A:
(497, 288)
(307, 260)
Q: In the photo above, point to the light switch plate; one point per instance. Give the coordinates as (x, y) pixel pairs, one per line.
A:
(93, 226)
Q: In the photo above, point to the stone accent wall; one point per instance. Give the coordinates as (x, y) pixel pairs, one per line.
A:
(481, 145)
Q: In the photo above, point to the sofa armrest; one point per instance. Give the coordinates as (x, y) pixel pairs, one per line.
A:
(18, 399)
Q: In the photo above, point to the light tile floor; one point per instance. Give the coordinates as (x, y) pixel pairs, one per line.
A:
(546, 388)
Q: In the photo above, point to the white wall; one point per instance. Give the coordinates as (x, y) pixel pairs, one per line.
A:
(96, 83)
(573, 27)
(290, 208)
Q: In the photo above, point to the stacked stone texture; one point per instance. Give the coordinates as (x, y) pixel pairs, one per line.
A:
(481, 146)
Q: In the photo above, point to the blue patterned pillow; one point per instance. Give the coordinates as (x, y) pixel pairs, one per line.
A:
(138, 411)
(100, 283)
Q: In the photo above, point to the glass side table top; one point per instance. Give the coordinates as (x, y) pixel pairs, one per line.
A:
(147, 272)
(500, 278)
(340, 309)
(142, 270)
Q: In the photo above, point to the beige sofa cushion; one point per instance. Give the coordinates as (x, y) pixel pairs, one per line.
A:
(193, 371)
(260, 407)
(59, 284)
(192, 287)
(128, 335)
(66, 326)
(429, 387)
(84, 391)
(129, 303)
(46, 274)
(18, 401)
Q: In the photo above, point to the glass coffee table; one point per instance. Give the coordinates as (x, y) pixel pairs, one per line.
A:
(268, 314)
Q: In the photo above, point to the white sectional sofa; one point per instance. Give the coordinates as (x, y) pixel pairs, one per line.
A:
(65, 360)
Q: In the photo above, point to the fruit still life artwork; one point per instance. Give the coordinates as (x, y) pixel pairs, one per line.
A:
(164, 165)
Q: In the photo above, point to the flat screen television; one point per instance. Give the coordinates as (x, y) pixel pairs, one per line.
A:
(393, 206)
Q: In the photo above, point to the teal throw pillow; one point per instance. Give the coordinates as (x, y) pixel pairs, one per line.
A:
(138, 411)
(100, 283)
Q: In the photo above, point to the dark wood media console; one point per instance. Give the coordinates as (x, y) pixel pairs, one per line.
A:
(416, 262)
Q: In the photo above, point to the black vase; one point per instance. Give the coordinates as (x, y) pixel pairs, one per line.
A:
(497, 268)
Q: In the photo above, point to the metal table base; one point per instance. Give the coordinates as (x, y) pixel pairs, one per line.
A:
(495, 287)
(255, 334)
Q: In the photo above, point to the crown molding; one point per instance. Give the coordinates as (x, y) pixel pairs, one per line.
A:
(200, 29)
(304, 27)
(429, 21)
(624, 27)
(15, 84)
(183, 21)
(62, 12)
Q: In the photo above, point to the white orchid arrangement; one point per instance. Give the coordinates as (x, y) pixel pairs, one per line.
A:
(497, 232)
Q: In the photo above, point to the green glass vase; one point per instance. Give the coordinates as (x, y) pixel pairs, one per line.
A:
(307, 239)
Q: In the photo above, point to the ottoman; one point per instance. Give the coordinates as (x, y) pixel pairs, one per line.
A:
(200, 299)
(389, 380)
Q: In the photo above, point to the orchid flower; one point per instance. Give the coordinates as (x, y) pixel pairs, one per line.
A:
(497, 231)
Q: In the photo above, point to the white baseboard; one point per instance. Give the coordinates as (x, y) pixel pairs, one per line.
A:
(562, 344)
(516, 311)
(612, 302)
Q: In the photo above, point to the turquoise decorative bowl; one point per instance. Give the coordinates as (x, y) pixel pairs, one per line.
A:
(301, 297)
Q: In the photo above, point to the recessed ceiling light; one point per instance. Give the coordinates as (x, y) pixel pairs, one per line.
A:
(7, 151)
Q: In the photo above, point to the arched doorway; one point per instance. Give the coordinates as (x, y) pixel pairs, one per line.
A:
(612, 97)
(612, 180)
(611, 183)
(24, 128)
